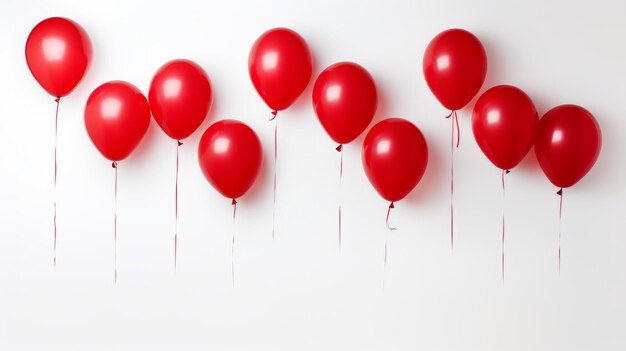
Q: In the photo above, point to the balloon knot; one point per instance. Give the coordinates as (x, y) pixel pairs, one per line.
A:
(114, 164)
(179, 142)
(234, 202)
(339, 148)
(274, 114)
(560, 192)
(450, 115)
(508, 171)
(57, 99)
(391, 205)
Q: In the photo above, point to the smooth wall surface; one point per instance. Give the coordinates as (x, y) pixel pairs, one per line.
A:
(299, 292)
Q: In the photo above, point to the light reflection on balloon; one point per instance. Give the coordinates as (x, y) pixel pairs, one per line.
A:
(171, 87)
(557, 136)
(53, 49)
(383, 146)
(220, 146)
(110, 107)
(443, 62)
(270, 61)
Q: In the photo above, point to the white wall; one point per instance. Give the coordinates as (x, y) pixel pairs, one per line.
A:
(298, 292)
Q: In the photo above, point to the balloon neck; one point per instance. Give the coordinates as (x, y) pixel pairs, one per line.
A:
(234, 202)
(450, 115)
(391, 205)
(58, 99)
(114, 164)
(560, 192)
(507, 171)
(339, 148)
(179, 142)
(274, 114)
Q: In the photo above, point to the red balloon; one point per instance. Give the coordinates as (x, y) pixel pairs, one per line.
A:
(504, 122)
(567, 145)
(345, 100)
(455, 65)
(394, 157)
(280, 67)
(117, 116)
(58, 52)
(230, 157)
(180, 97)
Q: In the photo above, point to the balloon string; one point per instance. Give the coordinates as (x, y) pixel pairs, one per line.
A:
(340, 150)
(451, 183)
(232, 246)
(503, 212)
(56, 129)
(452, 187)
(391, 206)
(560, 193)
(114, 165)
(453, 122)
(458, 131)
(178, 144)
(275, 163)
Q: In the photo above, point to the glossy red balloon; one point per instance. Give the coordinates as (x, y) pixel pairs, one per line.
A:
(280, 67)
(180, 98)
(345, 100)
(58, 52)
(567, 145)
(394, 157)
(504, 122)
(455, 65)
(117, 116)
(230, 157)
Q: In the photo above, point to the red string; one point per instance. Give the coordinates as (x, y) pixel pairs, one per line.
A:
(232, 245)
(453, 122)
(452, 187)
(178, 144)
(560, 193)
(275, 158)
(391, 206)
(56, 128)
(340, 150)
(114, 165)
(458, 131)
(503, 207)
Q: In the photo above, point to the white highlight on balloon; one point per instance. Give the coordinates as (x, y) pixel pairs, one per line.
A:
(333, 93)
(443, 62)
(221, 145)
(557, 136)
(493, 117)
(171, 87)
(110, 107)
(270, 60)
(383, 147)
(53, 49)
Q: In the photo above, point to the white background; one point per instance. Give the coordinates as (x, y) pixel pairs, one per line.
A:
(299, 292)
